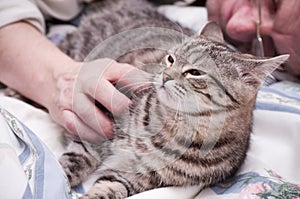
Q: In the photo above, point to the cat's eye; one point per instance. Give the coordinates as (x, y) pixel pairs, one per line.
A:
(170, 59)
(193, 72)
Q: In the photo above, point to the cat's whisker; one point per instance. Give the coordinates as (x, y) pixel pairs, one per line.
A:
(137, 87)
(136, 83)
(140, 63)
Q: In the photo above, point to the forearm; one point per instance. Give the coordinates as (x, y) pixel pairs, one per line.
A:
(30, 63)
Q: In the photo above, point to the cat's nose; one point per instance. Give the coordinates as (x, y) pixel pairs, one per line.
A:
(166, 77)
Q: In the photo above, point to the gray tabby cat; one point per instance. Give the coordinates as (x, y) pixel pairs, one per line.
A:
(191, 126)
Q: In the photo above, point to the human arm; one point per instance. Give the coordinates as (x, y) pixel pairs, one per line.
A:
(36, 68)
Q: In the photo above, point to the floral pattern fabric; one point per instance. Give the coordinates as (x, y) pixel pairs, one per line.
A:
(252, 185)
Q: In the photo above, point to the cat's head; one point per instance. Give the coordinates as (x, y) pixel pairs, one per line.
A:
(203, 74)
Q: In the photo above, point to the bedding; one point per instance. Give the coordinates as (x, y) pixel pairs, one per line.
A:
(270, 169)
(31, 143)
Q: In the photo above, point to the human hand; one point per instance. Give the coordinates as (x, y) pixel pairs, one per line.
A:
(279, 27)
(66, 88)
(76, 91)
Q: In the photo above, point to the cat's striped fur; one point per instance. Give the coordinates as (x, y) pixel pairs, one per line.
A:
(191, 126)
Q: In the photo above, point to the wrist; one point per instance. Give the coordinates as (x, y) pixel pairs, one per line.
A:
(30, 63)
(57, 83)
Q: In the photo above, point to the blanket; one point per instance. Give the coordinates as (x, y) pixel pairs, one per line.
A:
(29, 154)
(33, 143)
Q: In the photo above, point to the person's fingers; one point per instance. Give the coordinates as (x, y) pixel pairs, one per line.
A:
(124, 74)
(240, 27)
(85, 109)
(112, 99)
(104, 68)
(78, 128)
(214, 10)
(115, 70)
(134, 79)
(95, 82)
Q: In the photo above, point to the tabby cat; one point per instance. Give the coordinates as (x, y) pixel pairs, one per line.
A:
(190, 126)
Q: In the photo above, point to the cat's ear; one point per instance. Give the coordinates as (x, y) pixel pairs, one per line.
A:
(253, 70)
(213, 31)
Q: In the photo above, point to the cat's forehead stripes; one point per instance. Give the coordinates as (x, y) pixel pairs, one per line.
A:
(198, 51)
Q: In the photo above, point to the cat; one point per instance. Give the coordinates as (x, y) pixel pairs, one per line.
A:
(110, 18)
(190, 126)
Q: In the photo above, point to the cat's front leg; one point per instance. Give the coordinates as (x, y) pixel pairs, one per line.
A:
(115, 184)
(78, 163)
(111, 184)
(105, 189)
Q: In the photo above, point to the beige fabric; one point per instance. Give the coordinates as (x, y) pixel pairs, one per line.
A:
(36, 11)
(60, 9)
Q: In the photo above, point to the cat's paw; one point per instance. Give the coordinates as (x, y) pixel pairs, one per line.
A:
(106, 190)
(76, 166)
(100, 196)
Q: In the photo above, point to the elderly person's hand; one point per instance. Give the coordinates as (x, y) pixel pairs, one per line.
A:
(279, 28)
(36, 68)
(73, 102)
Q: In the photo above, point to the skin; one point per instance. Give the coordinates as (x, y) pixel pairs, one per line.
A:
(279, 28)
(36, 68)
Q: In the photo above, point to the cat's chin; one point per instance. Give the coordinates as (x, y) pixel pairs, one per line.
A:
(186, 105)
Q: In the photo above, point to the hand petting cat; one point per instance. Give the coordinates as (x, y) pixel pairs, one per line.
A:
(49, 77)
(77, 93)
